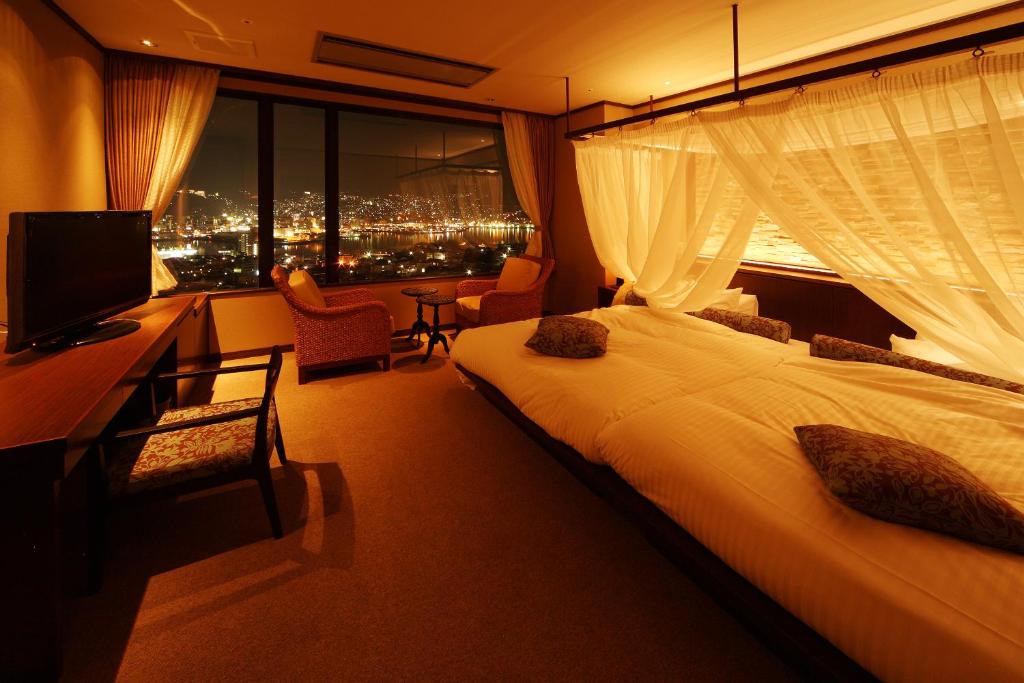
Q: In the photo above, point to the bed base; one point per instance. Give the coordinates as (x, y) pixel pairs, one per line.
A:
(811, 655)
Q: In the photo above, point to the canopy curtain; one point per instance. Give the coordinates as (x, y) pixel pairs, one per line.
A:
(155, 114)
(664, 212)
(463, 194)
(910, 187)
(530, 142)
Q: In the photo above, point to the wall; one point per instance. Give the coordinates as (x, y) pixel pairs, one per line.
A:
(51, 119)
(259, 320)
(578, 274)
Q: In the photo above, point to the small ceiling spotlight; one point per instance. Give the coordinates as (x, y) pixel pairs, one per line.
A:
(146, 42)
(668, 82)
(247, 22)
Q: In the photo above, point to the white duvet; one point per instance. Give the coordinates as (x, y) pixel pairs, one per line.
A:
(699, 418)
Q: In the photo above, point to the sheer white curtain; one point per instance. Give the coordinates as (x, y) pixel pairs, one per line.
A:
(908, 186)
(664, 212)
(467, 195)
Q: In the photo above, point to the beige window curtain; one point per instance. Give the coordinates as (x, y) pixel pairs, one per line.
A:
(908, 186)
(155, 114)
(530, 141)
(664, 212)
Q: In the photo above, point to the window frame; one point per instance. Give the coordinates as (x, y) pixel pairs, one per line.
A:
(332, 155)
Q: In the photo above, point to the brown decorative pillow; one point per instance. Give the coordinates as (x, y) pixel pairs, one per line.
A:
(842, 349)
(901, 482)
(634, 299)
(567, 336)
(751, 324)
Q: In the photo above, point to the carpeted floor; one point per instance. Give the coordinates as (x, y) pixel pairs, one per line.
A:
(427, 538)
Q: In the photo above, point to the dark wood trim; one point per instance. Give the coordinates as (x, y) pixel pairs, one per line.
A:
(943, 47)
(215, 358)
(791, 639)
(265, 191)
(78, 28)
(356, 108)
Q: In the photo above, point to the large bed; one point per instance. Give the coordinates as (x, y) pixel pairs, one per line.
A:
(698, 419)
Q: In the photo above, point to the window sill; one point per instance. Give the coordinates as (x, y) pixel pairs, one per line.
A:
(258, 291)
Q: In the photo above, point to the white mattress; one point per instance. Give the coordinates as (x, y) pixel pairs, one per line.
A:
(699, 419)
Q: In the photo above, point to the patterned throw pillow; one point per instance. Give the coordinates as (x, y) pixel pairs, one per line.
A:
(634, 299)
(751, 324)
(842, 349)
(901, 482)
(567, 336)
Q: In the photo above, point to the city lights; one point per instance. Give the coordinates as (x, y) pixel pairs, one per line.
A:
(211, 240)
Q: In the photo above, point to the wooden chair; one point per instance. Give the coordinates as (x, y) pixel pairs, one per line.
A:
(194, 448)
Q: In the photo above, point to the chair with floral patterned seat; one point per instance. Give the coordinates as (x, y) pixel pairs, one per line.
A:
(198, 447)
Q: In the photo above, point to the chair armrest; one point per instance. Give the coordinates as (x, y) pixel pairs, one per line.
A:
(186, 424)
(508, 306)
(474, 287)
(211, 371)
(349, 296)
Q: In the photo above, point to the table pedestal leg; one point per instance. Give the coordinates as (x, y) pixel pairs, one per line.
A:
(436, 336)
(419, 326)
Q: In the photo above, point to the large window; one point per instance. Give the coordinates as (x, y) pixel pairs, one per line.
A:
(770, 244)
(423, 198)
(299, 218)
(208, 236)
(348, 196)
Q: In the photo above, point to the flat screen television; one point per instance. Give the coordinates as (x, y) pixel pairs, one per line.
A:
(68, 272)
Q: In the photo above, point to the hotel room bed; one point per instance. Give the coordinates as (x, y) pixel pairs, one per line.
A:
(698, 419)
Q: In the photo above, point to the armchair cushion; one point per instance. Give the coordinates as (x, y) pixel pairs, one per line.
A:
(159, 460)
(305, 288)
(517, 274)
(469, 307)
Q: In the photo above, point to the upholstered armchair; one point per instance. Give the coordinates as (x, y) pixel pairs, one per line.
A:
(489, 302)
(346, 328)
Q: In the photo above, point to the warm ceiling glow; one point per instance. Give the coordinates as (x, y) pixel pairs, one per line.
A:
(147, 42)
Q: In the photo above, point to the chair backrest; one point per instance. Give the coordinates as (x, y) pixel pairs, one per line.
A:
(280, 277)
(270, 384)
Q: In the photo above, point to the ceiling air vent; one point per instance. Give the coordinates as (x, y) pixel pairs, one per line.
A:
(210, 42)
(358, 54)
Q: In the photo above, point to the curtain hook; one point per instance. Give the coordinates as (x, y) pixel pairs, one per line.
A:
(693, 112)
(800, 90)
(743, 103)
(876, 73)
(978, 52)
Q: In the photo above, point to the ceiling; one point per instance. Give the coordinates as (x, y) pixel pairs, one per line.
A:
(616, 50)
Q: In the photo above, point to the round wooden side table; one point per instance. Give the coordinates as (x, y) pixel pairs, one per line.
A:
(436, 300)
(420, 325)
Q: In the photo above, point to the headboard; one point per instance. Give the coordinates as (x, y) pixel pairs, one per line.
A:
(819, 304)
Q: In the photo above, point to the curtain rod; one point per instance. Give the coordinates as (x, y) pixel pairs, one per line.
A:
(972, 41)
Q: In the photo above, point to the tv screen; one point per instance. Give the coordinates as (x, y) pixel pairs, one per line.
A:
(69, 270)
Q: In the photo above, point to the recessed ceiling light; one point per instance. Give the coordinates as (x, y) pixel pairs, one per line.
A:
(246, 21)
(668, 82)
(146, 42)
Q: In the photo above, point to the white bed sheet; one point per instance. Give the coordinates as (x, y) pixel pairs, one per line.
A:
(574, 400)
(698, 418)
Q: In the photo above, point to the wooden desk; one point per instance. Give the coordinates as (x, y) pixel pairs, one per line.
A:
(53, 407)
